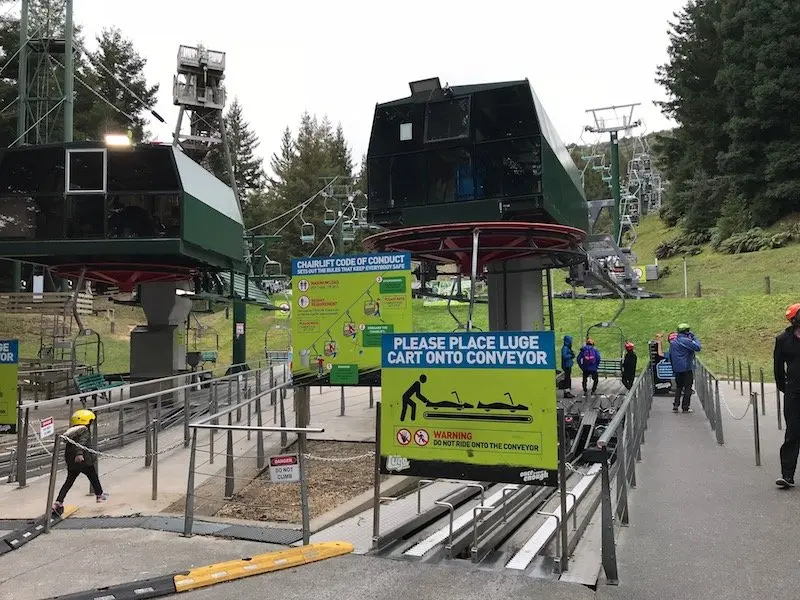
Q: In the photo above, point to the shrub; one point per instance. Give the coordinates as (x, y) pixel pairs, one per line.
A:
(752, 240)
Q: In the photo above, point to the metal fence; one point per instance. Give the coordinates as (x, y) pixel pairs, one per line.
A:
(129, 419)
(618, 451)
(707, 386)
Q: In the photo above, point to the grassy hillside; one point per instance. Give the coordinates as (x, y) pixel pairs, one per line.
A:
(718, 274)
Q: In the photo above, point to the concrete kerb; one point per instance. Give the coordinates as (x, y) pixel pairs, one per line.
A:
(200, 577)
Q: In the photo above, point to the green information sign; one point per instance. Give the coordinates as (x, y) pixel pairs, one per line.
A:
(341, 307)
(472, 406)
(9, 364)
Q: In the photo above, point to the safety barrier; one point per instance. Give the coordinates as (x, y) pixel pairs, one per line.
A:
(185, 398)
(245, 461)
(618, 451)
(707, 387)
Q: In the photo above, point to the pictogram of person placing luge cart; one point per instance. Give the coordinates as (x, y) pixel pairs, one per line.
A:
(484, 409)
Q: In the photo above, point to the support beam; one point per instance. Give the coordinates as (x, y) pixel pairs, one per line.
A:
(515, 295)
(69, 75)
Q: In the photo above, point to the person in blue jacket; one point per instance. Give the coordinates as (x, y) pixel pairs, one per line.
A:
(567, 361)
(589, 361)
(681, 354)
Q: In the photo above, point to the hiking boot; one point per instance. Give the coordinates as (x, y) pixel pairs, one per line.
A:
(58, 508)
(102, 498)
(674, 409)
(784, 483)
(568, 395)
(688, 410)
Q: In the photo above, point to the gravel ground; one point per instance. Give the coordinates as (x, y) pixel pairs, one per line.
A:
(329, 485)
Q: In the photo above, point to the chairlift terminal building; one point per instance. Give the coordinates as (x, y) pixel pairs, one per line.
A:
(470, 153)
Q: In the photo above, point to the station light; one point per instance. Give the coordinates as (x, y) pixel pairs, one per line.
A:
(117, 139)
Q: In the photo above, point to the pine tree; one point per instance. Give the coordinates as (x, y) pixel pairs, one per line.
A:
(116, 61)
(690, 153)
(248, 170)
(759, 81)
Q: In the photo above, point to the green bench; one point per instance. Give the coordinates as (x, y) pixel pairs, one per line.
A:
(95, 382)
(610, 367)
(209, 356)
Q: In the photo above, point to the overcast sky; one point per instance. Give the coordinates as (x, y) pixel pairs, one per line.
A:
(341, 57)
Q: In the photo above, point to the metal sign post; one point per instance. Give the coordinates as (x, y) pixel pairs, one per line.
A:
(562, 486)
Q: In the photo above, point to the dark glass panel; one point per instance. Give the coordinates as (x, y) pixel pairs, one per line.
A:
(503, 113)
(144, 216)
(512, 168)
(85, 171)
(85, 216)
(32, 171)
(147, 170)
(447, 120)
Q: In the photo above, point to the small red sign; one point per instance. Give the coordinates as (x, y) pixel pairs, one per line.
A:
(279, 461)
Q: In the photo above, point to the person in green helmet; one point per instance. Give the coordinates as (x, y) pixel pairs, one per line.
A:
(681, 354)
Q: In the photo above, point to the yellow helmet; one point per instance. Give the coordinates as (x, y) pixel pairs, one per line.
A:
(82, 417)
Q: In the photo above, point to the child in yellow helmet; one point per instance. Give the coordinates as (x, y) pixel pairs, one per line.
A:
(79, 460)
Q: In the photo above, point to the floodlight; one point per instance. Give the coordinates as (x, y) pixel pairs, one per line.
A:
(117, 139)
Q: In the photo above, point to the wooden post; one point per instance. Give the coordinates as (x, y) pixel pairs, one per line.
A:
(767, 285)
(698, 292)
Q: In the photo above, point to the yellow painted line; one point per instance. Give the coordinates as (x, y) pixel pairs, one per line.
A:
(260, 563)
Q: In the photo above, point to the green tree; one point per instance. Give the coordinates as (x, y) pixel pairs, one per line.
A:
(690, 153)
(114, 63)
(316, 151)
(248, 169)
(759, 81)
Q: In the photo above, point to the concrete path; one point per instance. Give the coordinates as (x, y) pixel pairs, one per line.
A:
(705, 522)
(71, 561)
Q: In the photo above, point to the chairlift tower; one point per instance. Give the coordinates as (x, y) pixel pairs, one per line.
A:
(46, 73)
(613, 120)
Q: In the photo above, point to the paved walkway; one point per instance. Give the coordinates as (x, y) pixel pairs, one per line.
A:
(82, 560)
(705, 522)
(129, 482)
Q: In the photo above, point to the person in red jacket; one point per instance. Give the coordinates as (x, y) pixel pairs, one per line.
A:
(786, 364)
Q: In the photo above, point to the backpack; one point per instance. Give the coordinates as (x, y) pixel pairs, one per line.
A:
(590, 356)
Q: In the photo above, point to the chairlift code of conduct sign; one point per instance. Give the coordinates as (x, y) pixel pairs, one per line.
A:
(284, 468)
(9, 363)
(341, 306)
(473, 406)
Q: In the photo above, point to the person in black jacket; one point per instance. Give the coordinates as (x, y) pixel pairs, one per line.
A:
(786, 363)
(629, 366)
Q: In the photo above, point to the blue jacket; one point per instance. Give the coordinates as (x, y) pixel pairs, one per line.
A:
(681, 352)
(567, 354)
(589, 366)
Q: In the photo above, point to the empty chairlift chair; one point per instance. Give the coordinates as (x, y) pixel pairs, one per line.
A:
(307, 233)
(348, 231)
(329, 218)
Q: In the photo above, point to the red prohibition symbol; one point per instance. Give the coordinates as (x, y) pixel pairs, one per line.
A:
(421, 437)
(404, 437)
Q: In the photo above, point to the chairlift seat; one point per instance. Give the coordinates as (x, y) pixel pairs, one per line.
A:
(307, 233)
(329, 218)
(96, 382)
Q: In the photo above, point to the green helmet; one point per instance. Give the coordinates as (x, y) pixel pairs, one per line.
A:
(683, 327)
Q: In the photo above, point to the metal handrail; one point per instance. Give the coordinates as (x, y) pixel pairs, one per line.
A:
(265, 428)
(80, 395)
(230, 409)
(616, 421)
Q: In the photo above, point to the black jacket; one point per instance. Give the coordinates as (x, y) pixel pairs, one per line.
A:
(786, 362)
(629, 365)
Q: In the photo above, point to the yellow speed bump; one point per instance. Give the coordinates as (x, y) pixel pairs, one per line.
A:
(69, 510)
(258, 564)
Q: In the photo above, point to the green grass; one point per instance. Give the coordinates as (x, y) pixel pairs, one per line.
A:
(718, 274)
(744, 326)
